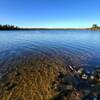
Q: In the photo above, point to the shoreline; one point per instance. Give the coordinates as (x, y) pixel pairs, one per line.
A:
(51, 29)
(55, 29)
(13, 27)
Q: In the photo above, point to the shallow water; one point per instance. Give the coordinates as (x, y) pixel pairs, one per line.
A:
(83, 47)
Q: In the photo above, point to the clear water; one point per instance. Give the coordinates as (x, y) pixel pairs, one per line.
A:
(82, 46)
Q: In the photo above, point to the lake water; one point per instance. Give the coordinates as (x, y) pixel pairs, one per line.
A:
(82, 46)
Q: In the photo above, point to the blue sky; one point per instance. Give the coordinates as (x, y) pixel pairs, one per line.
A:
(50, 13)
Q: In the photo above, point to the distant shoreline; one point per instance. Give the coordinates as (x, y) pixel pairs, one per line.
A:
(46, 29)
(55, 29)
(12, 27)
(92, 28)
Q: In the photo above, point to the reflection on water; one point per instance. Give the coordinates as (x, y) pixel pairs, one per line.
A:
(82, 46)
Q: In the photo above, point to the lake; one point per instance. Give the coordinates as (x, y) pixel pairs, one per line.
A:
(81, 46)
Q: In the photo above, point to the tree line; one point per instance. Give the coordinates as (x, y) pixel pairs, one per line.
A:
(12, 27)
(95, 27)
(8, 27)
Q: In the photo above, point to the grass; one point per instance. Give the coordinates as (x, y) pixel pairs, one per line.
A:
(31, 79)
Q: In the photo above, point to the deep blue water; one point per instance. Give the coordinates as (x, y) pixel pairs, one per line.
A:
(82, 45)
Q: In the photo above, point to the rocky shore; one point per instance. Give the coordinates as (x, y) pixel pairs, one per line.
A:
(78, 85)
